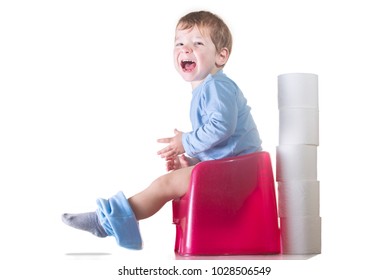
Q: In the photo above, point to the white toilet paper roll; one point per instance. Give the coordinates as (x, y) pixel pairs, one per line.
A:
(296, 162)
(298, 90)
(301, 235)
(298, 126)
(299, 198)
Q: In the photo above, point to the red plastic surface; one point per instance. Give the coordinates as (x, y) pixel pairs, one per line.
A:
(229, 209)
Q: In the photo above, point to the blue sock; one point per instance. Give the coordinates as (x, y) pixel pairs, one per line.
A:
(118, 220)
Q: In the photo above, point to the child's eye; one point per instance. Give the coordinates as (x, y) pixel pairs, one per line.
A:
(198, 43)
(179, 44)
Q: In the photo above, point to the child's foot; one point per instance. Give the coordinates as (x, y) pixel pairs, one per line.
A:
(85, 221)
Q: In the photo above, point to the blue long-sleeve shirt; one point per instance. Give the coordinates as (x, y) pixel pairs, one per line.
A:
(221, 121)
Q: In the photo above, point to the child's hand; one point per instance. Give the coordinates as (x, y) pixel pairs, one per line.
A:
(180, 161)
(174, 148)
(176, 163)
(172, 164)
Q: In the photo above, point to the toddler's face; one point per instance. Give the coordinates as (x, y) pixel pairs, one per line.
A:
(195, 55)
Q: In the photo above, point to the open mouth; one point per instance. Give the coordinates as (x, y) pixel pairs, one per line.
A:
(188, 65)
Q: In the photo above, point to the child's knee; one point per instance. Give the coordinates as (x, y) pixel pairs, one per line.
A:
(173, 185)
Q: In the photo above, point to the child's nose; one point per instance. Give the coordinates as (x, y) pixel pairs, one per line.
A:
(186, 49)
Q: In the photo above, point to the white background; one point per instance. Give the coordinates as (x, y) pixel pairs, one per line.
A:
(88, 86)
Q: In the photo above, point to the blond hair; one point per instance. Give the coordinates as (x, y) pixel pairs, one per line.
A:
(208, 22)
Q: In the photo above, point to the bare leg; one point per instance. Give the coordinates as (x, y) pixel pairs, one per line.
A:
(167, 187)
(121, 218)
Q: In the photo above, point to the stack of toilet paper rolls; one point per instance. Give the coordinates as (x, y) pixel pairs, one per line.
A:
(296, 164)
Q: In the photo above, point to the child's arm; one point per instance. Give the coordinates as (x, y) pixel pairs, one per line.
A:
(218, 121)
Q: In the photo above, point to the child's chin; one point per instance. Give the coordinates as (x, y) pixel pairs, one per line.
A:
(187, 77)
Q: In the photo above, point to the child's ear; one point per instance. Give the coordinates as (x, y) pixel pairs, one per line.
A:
(222, 57)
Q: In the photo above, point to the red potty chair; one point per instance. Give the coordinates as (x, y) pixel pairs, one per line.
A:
(230, 209)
